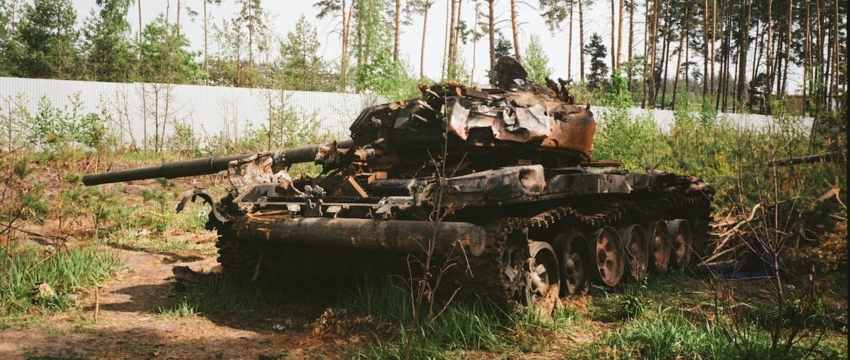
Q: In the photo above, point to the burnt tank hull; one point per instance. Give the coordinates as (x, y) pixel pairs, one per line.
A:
(490, 218)
(492, 189)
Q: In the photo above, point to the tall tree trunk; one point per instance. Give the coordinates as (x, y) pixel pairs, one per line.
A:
(458, 14)
(713, 41)
(741, 93)
(665, 54)
(250, 35)
(613, 41)
(727, 54)
(777, 69)
(620, 33)
(206, 43)
(631, 40)
(515, 31)
(570, 43)
(646, 24)
(397, 32)
(769, 56)
(453, 38)
(820, 96)
(139, 41)
(788, 41)
(178, 16)
(359, 49)
(424, 32)
(492, 34)
(346, 36)
(807, 62)
(759, 50)
(834, 78)
(652, 85)
(682, 42)
(581, 41)
(705, 75)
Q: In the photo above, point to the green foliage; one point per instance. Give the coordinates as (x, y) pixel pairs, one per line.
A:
(62, 130)
(160, 218)
(7, 44)
(301, 67)
(371, 44)
(101, 205)
(67, 271)
(183, 141)
(634, 140)
(536, 62)
(164, 55)
(286, 127)
(49, 41)
(109, 54)
(598, 69)
(618, 307)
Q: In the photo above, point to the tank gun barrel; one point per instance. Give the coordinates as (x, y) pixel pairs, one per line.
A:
(205, 166)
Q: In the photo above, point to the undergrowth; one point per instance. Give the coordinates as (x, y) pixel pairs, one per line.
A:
(66, 270)
(464, 325)
(669, 334)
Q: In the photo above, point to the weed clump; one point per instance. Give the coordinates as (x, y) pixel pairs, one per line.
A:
(67, 271)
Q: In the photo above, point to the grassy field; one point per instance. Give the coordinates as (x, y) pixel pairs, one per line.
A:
(69, 253)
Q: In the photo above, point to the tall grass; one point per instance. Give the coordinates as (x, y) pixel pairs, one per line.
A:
(669, 335)
(462, 325)
(67, 271)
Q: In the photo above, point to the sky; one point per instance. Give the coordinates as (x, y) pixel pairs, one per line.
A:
(597, 19)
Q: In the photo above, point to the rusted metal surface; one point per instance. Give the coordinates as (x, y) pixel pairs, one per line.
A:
(400, 235)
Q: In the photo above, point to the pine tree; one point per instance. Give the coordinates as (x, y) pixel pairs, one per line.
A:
(598, 69)
(109, 54)
(164, 55)
(301, 66)
(49, 41)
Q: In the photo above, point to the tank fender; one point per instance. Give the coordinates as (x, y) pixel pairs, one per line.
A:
(200, 193)
(386, 235)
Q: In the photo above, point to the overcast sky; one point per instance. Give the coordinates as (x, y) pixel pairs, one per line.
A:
(597, 19)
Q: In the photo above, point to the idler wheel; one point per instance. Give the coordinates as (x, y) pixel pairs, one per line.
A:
(571, 249)
(659, 245)
(637, 250)
(542, 280)
(610, 257)
(680, 239)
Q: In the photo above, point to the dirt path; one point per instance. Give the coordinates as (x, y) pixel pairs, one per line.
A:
(129, 328)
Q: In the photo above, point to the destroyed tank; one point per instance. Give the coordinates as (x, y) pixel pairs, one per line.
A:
(496, 186)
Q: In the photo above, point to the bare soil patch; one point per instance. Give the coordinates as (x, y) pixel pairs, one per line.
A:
(129, 327)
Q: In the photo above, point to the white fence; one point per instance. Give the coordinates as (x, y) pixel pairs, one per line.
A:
(136, 108)
(210, 111)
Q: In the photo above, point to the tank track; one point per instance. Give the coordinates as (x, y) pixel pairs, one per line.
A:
(484, 275)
